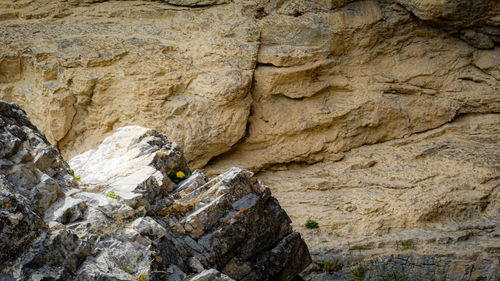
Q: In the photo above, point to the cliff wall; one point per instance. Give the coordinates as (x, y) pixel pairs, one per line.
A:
(375, 117)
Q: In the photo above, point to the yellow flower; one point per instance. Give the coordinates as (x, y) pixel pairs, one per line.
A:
(180, 174)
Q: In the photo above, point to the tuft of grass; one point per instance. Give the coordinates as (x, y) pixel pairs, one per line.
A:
(142, 277)
(311, 224)
(328, 265)
(405, 244)
(126, 269)
(112, 195)
(70, 172)
(359, 272)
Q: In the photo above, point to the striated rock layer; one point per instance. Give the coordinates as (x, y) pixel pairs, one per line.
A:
(331, 100)
(249, 82)
(423, 208)
(118, 215)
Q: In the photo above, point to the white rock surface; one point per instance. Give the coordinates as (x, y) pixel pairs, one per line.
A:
(126, 165)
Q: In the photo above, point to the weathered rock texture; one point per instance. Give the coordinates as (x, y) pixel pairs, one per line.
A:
(118, 216)
(427, 207)
(270, 84)
(129, 62)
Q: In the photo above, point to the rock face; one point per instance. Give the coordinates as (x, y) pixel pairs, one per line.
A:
(173, 78)
(255, 83)
(118, 215)
(331, 101)
(426, 207)
(475, 21)
(32, 175)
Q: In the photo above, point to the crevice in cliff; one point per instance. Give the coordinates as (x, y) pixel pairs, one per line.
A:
(60, 143)
(270, 64)
(235, 146)
(323, 92)
(195, 6)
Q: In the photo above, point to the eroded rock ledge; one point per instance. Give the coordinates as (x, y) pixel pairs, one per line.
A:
(118, 215)
(426, 207)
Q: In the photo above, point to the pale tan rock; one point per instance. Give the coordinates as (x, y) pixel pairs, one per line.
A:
(458, 10)
(432, 9)
(185, 72)
(442, 181)
(194, 74)
(307, 112)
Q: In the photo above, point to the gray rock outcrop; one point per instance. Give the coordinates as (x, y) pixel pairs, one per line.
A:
(131, 210)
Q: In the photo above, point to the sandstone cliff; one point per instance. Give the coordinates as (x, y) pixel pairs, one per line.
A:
(270, 82)
(375, 117)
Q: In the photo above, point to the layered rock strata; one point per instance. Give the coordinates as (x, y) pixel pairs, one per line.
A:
(255, 83)
(425, 207)
(117, 215)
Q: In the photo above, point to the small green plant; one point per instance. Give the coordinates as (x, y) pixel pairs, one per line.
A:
(405, 244)
(328, 265)
(359, 272)
(178, 176)
(73, 175)
(312, 224)
(142, 277)
(112, 195)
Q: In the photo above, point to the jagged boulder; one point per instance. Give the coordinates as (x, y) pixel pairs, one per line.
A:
(133, 163)
(133, 210)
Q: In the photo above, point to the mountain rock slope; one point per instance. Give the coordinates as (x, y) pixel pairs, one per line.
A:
(376, 118)
(119, 216)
